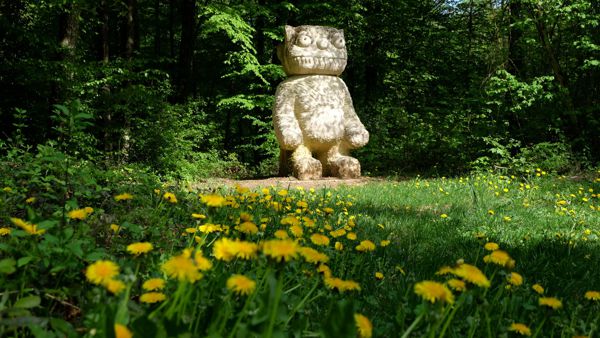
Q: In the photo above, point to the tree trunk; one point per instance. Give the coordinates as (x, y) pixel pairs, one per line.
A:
(130, 35)
(186, 48)
(556, 69)
(515, 55)
(157, 28)
(172, 28)
(104, 51)
(68, 32)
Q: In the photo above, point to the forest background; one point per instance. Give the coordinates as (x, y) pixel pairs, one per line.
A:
(184, 88)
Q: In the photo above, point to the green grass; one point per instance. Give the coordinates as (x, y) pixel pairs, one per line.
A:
(549, 225)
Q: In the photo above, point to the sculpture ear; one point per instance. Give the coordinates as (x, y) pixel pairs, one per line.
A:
(341, 31)
(289, 32)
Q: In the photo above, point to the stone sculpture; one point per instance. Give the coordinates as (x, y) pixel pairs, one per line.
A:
(314, 119)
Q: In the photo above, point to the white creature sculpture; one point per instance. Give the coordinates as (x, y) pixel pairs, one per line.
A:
(313, 115)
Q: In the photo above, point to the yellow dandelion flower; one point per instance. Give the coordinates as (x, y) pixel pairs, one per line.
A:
(123, 197)
(121, 331)
(203, 263)
(30, 200)
(365, 246)
(152, 297)
(290, 220)
(351, 236)
(5, 231)
(281, 234)
(154, 284)
(491, 212)
(551, 302)
(79, 214)
(182, 268)
(213, 200)
(592, 295)
(520, 328)
(246, 250)
(308, 222)
(339, 246)
(491, 246)
(282, 192)
(115, 286)
(384, 243)
(538, 288)
(115, 228)
(302, 204)
(444, 270)
(246, 217)
(319, 239)
(313, 256)
(341, 285)
(296, 230)
(444, 216)
(247, 228)
(499, 257)
(515, 279)
(170, 197)
(471, 274)
(281, 249)
(198, 216)
(349, 285)
(433, 291)
(364, 327)
(241, 284)
(457, 284)
(139, 248)
(338, 233)
(100, 272)
(328, 210)
(325, 270)
(379, 275)
(224, 249)
(209, 228)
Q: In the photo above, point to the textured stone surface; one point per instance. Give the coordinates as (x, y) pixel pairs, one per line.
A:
(314, 119)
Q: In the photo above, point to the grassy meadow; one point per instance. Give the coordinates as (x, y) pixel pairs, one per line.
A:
(483, 255)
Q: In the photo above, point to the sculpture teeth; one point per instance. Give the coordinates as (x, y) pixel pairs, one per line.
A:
(320, 62)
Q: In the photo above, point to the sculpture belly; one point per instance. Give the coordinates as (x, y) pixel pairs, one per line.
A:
(322, 126)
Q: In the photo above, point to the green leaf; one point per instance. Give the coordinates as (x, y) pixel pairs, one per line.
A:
(28, 302)
(7, 266)
(63, 326)
(24, 261)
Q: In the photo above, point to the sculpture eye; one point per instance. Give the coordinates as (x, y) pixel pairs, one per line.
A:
(339, 42)
(303, 40)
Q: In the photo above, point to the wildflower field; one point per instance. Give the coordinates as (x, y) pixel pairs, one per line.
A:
(483, 255)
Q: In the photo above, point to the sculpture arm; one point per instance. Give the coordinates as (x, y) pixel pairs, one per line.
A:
(355, 132)
(286, 125)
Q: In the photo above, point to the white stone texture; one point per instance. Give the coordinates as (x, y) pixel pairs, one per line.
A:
(313, 114)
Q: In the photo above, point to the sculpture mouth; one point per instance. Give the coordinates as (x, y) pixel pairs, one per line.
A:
(320, 62)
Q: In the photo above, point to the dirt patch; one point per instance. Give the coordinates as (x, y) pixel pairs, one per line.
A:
(283, 182)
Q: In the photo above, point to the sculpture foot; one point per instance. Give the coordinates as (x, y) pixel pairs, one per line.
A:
(307, 168)
(344, 167)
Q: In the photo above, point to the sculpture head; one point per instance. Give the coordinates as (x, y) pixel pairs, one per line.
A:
(313, 50)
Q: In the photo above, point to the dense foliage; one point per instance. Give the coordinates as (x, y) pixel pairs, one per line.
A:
(185, 87)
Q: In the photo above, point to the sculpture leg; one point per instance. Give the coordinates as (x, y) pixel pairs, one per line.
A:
(284, 162)
(341, 165)
(304, 165)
